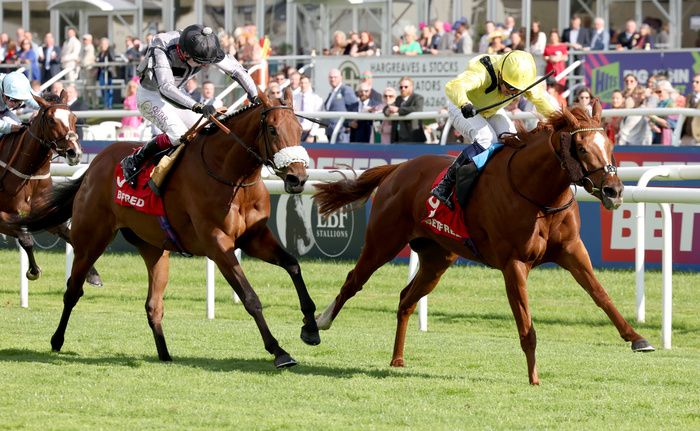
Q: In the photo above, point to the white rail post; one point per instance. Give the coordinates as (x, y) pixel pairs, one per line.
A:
(69, 260)
(656, 171)
(23, 282)
(666, 275)
(210, 289)
(413, 265)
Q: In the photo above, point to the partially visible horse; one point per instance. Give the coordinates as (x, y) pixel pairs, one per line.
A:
(521, 214)
(25, 165)
(215, 202)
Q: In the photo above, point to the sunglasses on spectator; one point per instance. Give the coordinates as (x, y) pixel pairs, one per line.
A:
(404, 86)
(630, 80)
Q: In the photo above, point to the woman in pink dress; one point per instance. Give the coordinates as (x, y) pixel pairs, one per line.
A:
(130, 103)
(555, 54)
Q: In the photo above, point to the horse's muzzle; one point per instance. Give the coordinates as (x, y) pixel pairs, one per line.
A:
(73, 157)
(611, 195)
(293, 184)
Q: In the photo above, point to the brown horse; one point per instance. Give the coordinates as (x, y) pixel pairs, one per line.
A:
(215, 202)
(521, 214)
(25, 163)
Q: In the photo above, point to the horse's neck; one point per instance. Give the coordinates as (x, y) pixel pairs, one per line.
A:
(22, 152)
(228, 151)
(539, 173)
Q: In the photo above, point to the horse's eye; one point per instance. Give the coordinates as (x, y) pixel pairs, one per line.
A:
(272, 131)
(581, 149)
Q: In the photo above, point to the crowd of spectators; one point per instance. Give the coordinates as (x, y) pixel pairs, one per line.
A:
(95, 66)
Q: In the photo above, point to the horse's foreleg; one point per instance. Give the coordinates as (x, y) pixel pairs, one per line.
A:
(515, 275)
(229, 266)
(264, 246)
(63, 232)
(158, 264)
(26, 241)
(578, 263)
(385, 236)
(434, 261)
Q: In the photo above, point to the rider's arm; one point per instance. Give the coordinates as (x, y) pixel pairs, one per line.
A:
(234, 69)
(166, 81)
(474, 77)
(543, 101)
(7, 120)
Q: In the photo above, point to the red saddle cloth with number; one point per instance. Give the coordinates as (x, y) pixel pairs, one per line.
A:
(441, 219)
(142, 198)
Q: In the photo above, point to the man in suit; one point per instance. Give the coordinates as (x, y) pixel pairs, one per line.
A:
(76, 103)
(70, 54)
(192, 89)
(208, 96)
(628, 39)
(374, 95)
(340, 99)
(576, 37)
(361, 131)
(49, 58)
(406, 103)
(307, 102)
(600, 38)
(691, 126)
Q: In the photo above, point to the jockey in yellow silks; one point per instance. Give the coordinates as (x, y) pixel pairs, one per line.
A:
(488, 80)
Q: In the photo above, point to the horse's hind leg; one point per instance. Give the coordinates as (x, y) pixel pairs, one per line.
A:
(434, 261)
(158, 265)
(26, 241)
(93, 242)
(577, 261)
(264, 246)
(385, 236)
(229, 266)
(63, 232)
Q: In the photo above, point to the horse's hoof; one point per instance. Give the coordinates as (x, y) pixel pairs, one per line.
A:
(642, 345)
(284, 361)
(312, 338)
(56, 343)
(94, 280)
(322, 323)
(397, 362)
(31, 276)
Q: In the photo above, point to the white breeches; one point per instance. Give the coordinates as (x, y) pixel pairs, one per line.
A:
(172, 121)
(484, 131)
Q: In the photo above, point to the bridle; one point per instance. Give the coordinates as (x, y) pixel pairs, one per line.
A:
(608, 169)
(266, 156)
(579, 180)
(71, 136)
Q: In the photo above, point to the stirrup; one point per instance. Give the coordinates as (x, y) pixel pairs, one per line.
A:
(445, 199)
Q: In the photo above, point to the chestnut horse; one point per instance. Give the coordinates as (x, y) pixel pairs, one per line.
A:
(25, 165)
(215, 201)
(521, 214)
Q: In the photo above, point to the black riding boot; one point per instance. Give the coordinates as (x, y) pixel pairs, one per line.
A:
(131, 165)
(443, 191)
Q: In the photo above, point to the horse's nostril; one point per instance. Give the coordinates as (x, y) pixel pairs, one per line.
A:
(292, 180)
(610, 192)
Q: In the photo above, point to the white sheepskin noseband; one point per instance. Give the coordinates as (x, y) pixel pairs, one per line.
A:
(289, 155)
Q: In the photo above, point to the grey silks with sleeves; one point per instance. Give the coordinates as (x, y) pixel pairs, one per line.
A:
(162, 70)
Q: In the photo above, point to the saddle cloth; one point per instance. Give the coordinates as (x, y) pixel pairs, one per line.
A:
(441, 219)
(142, 198)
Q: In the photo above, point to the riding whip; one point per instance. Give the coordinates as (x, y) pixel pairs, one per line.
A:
(480, 110)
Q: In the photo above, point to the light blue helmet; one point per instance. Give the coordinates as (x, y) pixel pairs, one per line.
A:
(17, 86)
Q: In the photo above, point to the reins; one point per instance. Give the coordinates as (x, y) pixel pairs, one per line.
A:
(260, 159)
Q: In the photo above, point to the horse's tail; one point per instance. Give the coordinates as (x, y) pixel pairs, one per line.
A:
(53, 209)
(330, 197)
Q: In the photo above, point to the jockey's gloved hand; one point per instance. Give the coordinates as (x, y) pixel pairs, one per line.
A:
(205, 110)
(468, 110)
(253, 99)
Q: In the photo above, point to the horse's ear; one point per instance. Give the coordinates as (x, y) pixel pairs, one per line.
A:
(570, 118)
(40, 101)
(63, 96)
(263, 97)
(288, 98)
(596, 110)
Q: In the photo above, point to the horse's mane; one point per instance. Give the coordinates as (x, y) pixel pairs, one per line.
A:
(50, 97)
(556, 121)
(211, 128)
